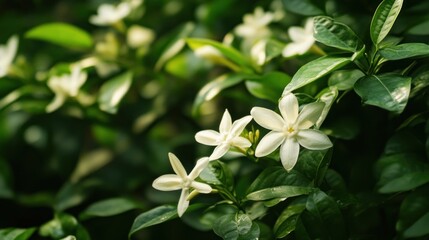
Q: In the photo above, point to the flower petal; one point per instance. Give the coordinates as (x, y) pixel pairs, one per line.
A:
(267, 118)
(199, 167)
(219, 151)
(241, 142)
(225, 123)
(289, 108)
(183, 202)
(207, 137)
(177, 166)
(289, 152)
(297, 34)
(269, 143)
(239, 125)
(313, 139)
(167, 182)
(309, 114)
(201, 187)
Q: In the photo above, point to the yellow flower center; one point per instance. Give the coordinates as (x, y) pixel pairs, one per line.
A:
(290, 131)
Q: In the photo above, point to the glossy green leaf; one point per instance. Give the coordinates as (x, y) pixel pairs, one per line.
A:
(229, 52)
(336, 34)
(269, 86)
(278, 176)
(303, 7)
(406, 182)
(112, 92)
(344, 79)
(152, 217)
(62, 34)
(236, 226)
(313, 164)
(324, 217)
(286, 222)
(388, 91)
(214, 87)
(314, 70)
(406, 50)
(16, 233)
(109, 207)
(343, 127)
(218, 173)
(278, 192)
(413, 213)
(419, 228)
(401, 172)
(273, 49)
(383, 19)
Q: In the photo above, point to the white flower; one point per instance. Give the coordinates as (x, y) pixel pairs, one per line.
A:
(258, 52)
(108, 14)
(255, 26)
(7, 54)
(65, 86)
(228, 136)
(302, 39)
(138, 36)
(290, 130)
(181, 180)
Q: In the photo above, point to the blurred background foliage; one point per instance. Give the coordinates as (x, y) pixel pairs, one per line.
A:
(55, 165)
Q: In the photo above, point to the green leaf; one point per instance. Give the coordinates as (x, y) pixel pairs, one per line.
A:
(420, 29)
(236, 226)
(5, 180)
(388, 91)
(344, 79)
(278, 192)
(112, 92)
(229, 52)
(273, 49)
(152, 217)
(335, 34)
(303, 7)
(401, 172)
(109, 207)
(175, 45)
(313, 164)
(214, 87)
(383, 19)
(419, 228)
(406, 182)
(16, 233)
(286, 222)
(218, 173)
(63, 34)
(324, 217)
(413, 213)
(269, 86)
(406, 50)
(314, 70)
(278, 176)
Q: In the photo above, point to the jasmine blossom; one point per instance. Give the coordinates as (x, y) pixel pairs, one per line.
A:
(290, 130)
(181, 180)
(227, 137)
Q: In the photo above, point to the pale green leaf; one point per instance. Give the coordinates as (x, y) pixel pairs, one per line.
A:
(62, 34)
(383, 19)
(109, 207)
(344, 79)
(112, 92)
(314, 70)
(16, 233)
(152, 217)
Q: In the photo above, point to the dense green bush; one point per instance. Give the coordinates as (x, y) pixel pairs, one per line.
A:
(319, 111)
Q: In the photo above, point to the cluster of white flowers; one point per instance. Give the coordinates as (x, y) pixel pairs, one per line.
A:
(289, 130)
